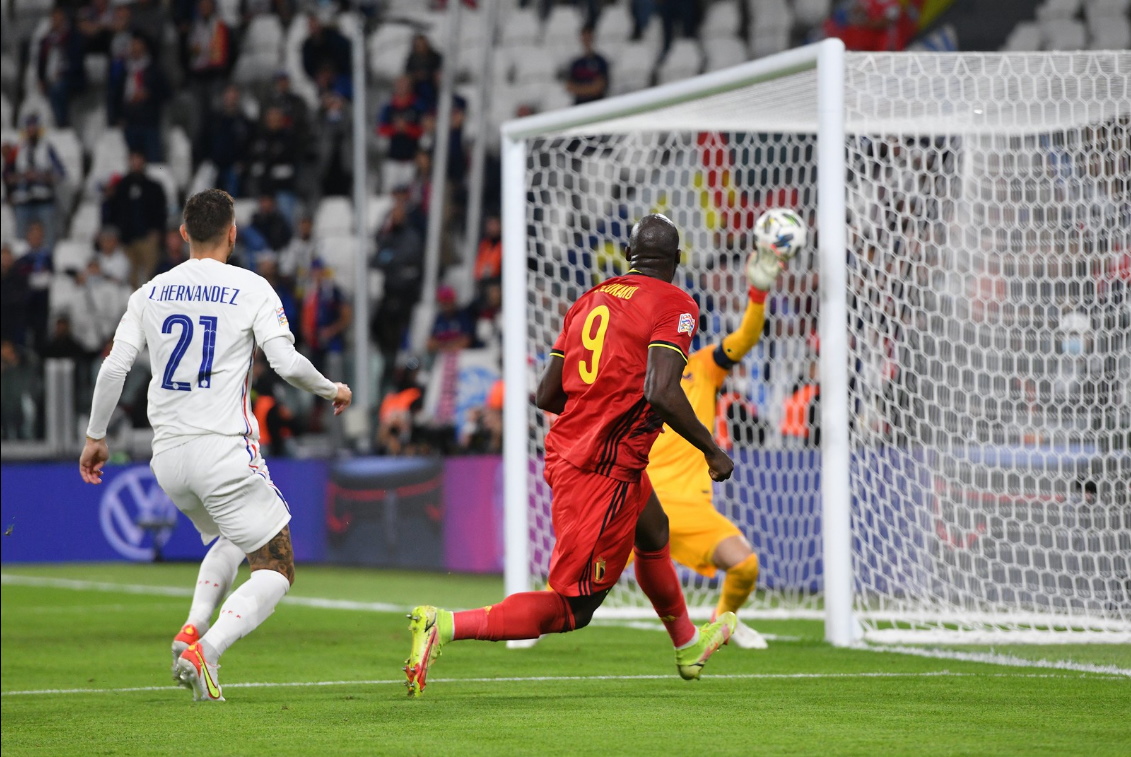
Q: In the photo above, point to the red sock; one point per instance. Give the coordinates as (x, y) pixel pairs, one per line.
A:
(527, 615)
(658, 581)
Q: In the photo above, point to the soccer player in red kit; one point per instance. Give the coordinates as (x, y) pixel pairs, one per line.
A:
(614, 381)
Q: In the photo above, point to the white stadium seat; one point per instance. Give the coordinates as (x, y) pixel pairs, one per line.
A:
(179, 155)
(110, 156)
(6, 112)
(724, 52)
(1025, 37)
(244, 208)
(161, 174)
(770, 24)
(811, 13)
(338, 253)
(683, 61)
(614, 27)
(564, 20)
(632, 69)
(520, 27)
(86, 222)
(376, 210)
(1064, 34)
(389, 45)
(72, 254)
(1115, 35)
(7, 223)
(333, 217)
(1052, 9)
(722, 19)
(532, 64)
(229, 11)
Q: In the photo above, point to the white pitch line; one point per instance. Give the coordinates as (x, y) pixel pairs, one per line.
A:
(8, 579)
(993, 658)
(559, 679)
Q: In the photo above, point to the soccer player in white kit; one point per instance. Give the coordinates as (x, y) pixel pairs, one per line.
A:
(202, 322)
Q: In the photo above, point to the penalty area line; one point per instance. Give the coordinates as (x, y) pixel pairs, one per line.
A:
(994, 658)
(555, 679)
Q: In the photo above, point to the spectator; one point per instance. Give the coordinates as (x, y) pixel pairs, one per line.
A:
(276, 421)
(453, 329)
(326, 56)
(140, 97)
(148, 20)
(400, 255)
(95, 21)
(420, 188)
(421, 67)
(94, 305)
(31, 178)
(483, 434)
(267, 265)
(175, 251)
(801, 417)
(137, 207)
(209, 56)
(588, 75)
(402, 195)
(120, 40)
(457, 159)
(489, 315)
(489, 258)
(13, 298)
(396, 419)
(326, 314)
(112, 261)
(269, 229)
(274, 162)
(334, 147)
(296, 114)
(63, 343)
(873, 25)
(20, 380)
(36, 267)
(400, 124)
(296, 258)
(59, 66)
(224, 141)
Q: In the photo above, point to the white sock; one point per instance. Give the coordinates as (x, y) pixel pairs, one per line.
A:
(217, 571)
(693, 642)
(247, 607)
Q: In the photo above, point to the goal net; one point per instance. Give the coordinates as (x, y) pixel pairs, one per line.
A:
(986, 261)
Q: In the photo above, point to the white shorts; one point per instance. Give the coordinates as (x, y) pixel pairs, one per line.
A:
(221, 483)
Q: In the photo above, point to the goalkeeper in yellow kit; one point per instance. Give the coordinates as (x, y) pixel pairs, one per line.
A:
(702, 538)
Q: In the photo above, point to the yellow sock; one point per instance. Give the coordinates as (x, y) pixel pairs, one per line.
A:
(739, 582)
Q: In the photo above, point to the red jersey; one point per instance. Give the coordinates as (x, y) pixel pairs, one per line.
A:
(607, 426)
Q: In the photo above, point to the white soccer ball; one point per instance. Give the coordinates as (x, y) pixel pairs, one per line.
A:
(781, 232)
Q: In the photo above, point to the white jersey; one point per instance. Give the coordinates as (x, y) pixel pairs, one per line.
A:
(202, 322)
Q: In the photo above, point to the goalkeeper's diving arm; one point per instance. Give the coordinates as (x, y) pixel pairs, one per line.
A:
(762, 270)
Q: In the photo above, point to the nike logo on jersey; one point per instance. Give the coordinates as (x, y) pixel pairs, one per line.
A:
(194, 293)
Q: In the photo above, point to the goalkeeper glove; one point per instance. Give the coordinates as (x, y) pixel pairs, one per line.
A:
(763, 266)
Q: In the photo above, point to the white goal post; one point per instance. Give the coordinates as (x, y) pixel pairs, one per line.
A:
(968, 304)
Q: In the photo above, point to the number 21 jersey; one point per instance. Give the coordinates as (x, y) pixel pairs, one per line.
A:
(202, 321)
(607, 426)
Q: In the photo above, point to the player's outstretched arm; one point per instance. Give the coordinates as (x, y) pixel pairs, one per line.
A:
(107, 392)
(664, 393)
(299, 372)
(763, 266)
(551, 397)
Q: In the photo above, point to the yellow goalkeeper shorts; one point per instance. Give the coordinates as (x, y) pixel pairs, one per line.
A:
(696, 529)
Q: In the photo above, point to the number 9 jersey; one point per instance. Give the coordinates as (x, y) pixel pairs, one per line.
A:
(202, 321)
(607, 426)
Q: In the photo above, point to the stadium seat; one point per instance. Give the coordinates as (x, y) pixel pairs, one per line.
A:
(338, 252)
(724, 52)
(110, 156)
(614, 27)
(1063, 34)
(532, 64)
(521, 28)
(722, 20)
(91, 126)
(97, 67)
(229, 11)
(264, 35)
(7, 223)
(6, 112)
(204, 178)
(770, 24)
(66, 145)
(333, 217)
(389, 46)
(1025, 37)
(86, 222)
(9, 72)
(1053, 9)
(683, 61)
(376, 210)
(564, 20)
(244, 208)
(811, 13)
(72, 254)
(179, 154)
(161, 174)
(1114, 35)
(556, 97)
(632, 69)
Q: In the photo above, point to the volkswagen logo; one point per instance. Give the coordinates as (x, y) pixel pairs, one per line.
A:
(135, 513)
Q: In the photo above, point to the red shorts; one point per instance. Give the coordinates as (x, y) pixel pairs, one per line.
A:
(595, 524)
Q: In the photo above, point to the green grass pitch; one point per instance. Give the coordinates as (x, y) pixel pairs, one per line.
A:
(327, 681)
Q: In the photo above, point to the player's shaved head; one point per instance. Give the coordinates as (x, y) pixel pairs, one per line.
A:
(208, 215)
(653, 246)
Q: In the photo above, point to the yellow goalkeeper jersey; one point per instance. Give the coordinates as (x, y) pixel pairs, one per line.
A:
(677, 470)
